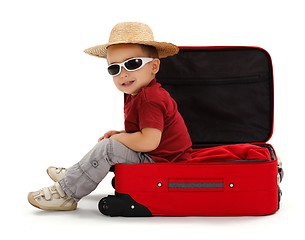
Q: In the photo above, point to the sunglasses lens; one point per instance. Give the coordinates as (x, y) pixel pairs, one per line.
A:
(113, 69)
(133, 64)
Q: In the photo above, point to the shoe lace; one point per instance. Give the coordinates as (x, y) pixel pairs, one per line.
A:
(60, 169)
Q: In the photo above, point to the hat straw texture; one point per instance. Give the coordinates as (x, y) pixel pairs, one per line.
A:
(136, 33)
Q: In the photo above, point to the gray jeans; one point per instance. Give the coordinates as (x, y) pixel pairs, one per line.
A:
(83, 177)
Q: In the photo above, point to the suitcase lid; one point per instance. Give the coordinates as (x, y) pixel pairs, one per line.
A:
(225, 94)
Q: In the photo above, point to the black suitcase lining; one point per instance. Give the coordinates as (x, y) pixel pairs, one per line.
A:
(224, 95)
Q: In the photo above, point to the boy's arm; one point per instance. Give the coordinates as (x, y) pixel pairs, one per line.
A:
(147, 140)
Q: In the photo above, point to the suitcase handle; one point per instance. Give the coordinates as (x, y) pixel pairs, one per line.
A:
(175, 185)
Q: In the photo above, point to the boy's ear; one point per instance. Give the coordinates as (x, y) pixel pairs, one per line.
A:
(155, 65)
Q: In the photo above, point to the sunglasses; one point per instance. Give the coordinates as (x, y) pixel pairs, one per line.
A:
(132, 64)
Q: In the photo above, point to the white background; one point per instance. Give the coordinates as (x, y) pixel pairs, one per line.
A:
(56, 101)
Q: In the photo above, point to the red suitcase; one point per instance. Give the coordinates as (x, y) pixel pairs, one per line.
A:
(225, 95)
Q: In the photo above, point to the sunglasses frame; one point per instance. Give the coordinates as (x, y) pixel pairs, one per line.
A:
(122, 64)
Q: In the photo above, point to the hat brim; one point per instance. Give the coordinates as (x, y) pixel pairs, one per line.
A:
(164, 49)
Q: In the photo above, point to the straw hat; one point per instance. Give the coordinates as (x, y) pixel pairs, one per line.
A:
(133, 32)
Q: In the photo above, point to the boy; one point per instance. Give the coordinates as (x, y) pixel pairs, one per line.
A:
(154, 129)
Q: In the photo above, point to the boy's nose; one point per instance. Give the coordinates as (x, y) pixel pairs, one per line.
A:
(124, 72)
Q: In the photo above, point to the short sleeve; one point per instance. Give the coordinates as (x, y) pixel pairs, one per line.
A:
(151, 115)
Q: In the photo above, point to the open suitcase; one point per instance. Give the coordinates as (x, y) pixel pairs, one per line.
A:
(225, 95)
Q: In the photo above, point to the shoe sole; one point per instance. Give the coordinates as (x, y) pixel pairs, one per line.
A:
(35, 204)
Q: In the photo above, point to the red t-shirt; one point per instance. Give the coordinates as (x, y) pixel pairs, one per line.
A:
(153, 107)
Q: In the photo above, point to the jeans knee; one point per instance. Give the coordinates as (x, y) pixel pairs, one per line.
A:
(105, 148)
(103, 144)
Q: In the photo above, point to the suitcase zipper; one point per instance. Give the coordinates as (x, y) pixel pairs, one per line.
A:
(236, 161)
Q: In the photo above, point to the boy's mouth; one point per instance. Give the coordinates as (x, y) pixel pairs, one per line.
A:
(127, 84)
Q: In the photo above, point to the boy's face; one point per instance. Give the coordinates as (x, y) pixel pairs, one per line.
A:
(131, 82)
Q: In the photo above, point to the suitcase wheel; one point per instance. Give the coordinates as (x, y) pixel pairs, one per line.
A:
(122, 205)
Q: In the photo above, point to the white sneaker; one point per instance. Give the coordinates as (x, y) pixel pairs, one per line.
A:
(52, 198)
(56, 173)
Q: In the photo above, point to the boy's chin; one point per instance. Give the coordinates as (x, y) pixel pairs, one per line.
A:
(130, 91)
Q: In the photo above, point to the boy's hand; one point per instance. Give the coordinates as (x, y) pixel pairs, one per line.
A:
(109, 134)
